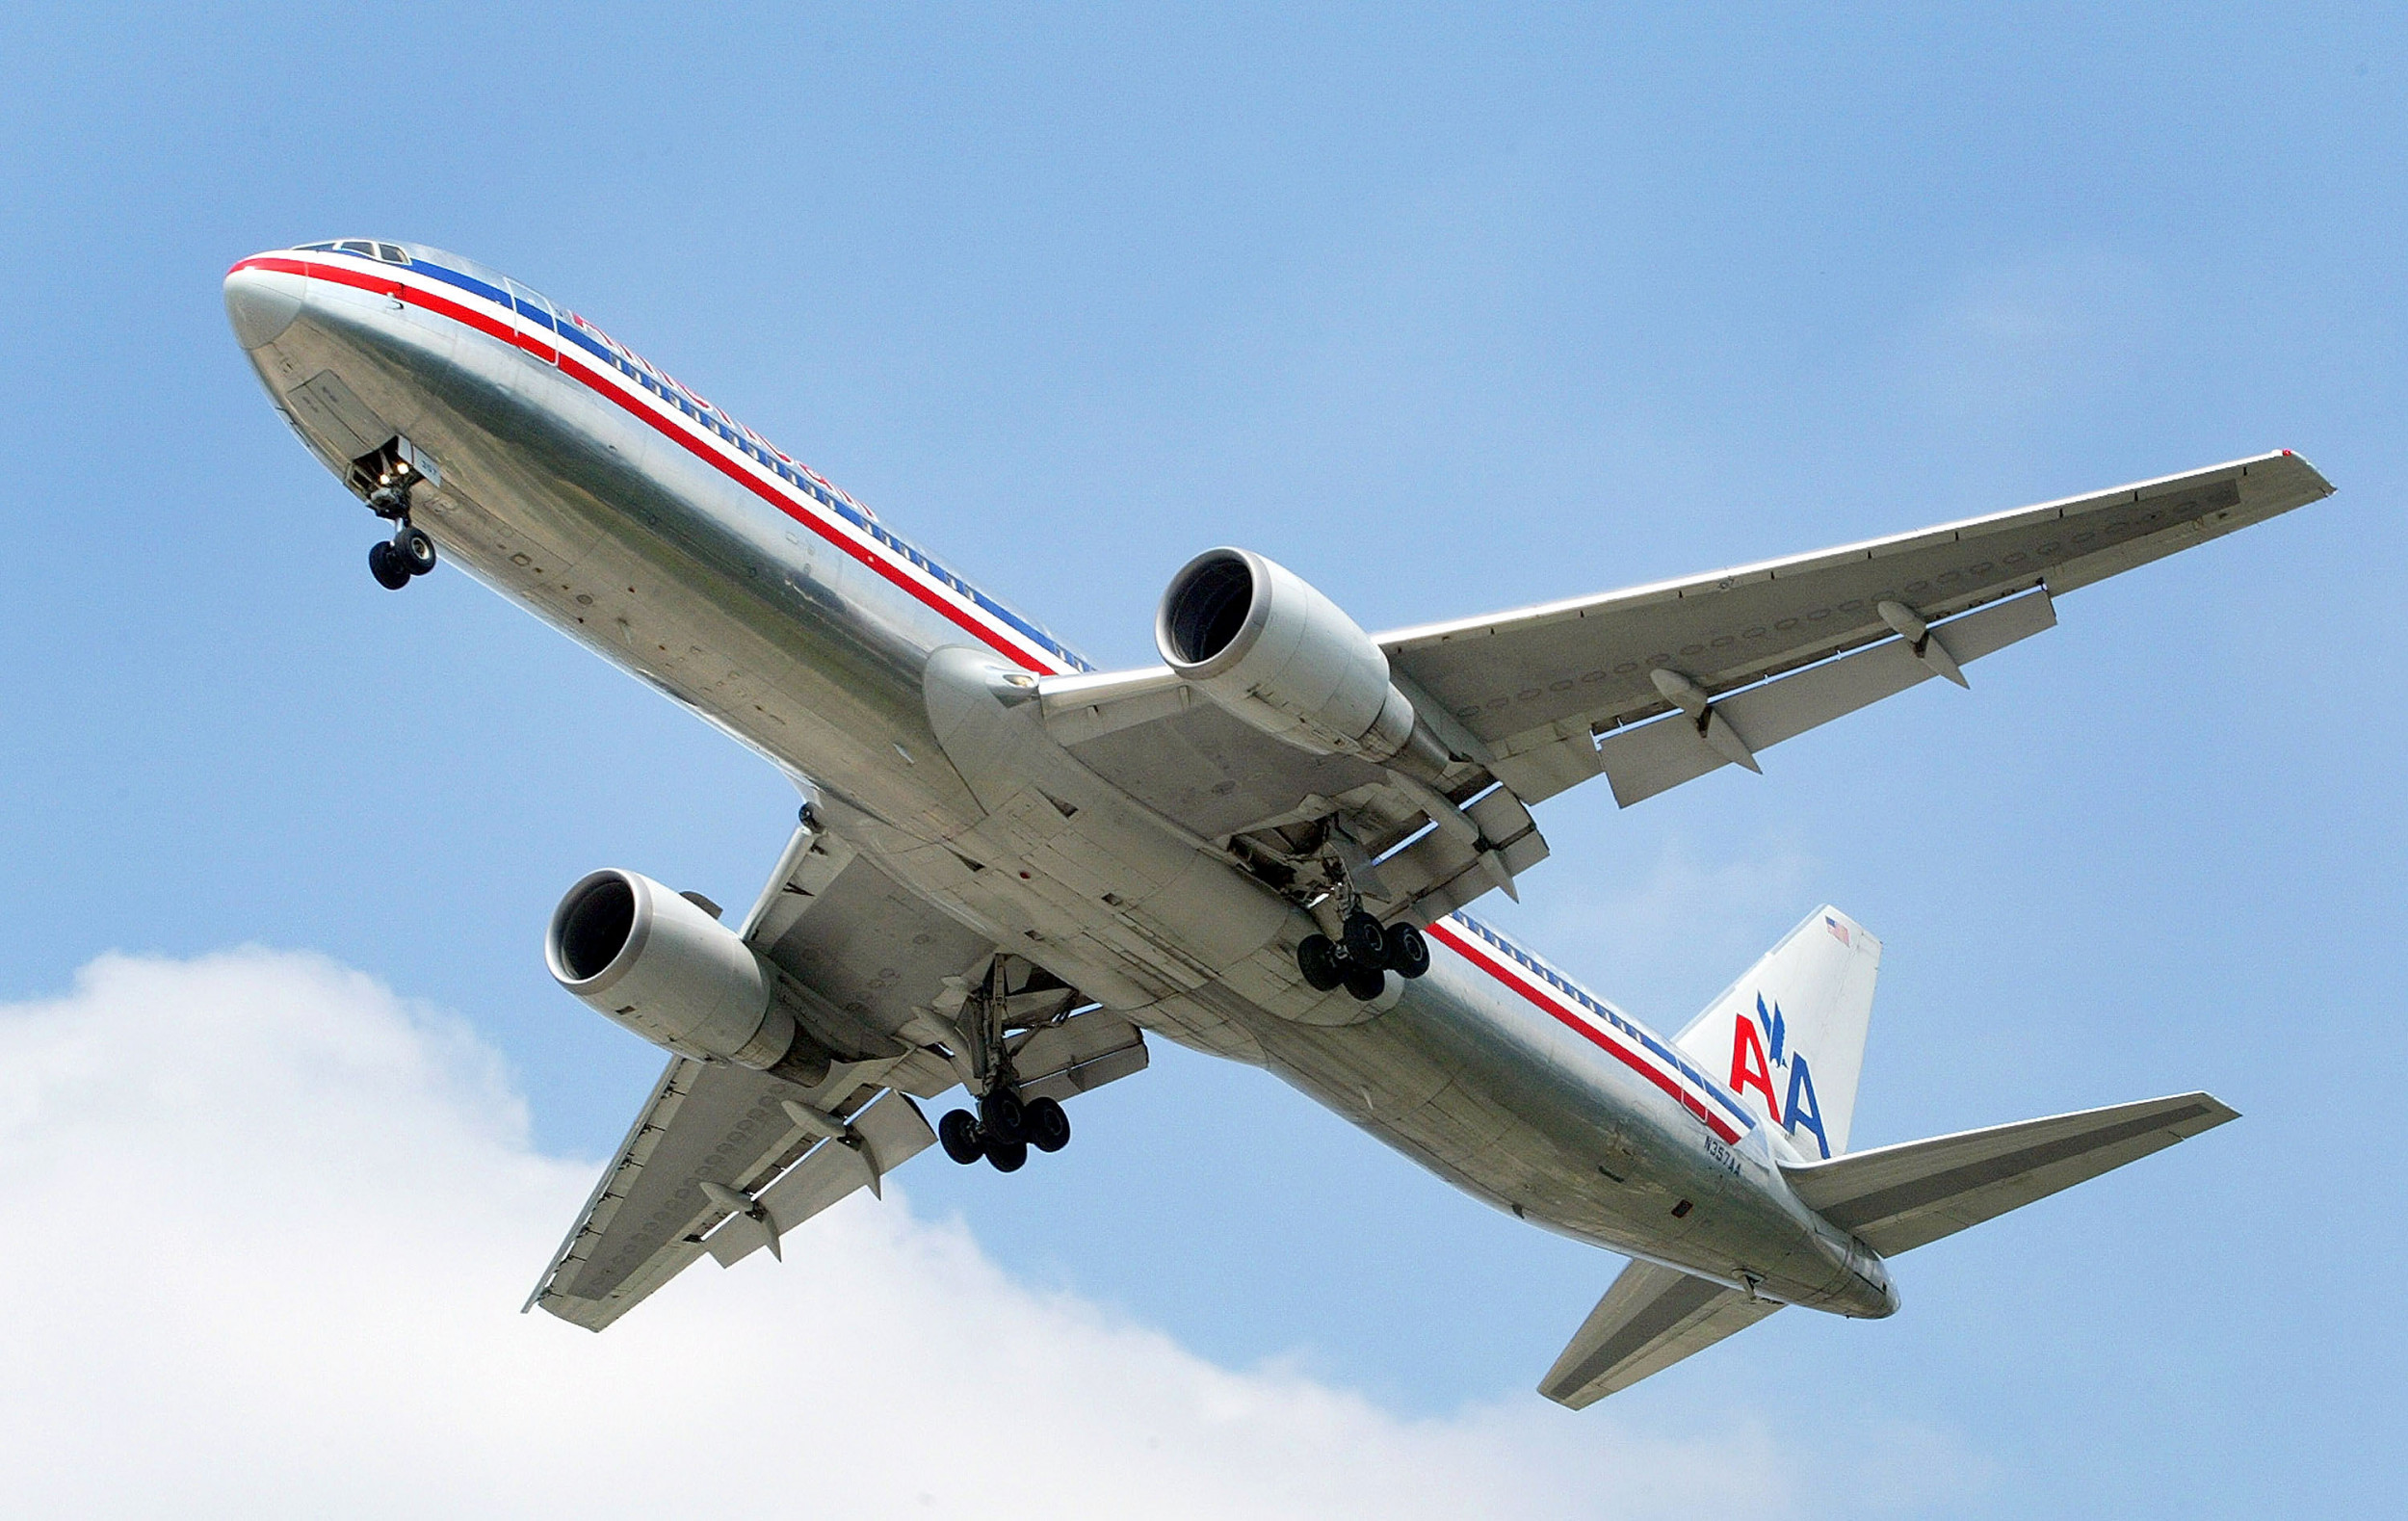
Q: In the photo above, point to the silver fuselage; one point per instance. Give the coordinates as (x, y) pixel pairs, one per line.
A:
(667, 539)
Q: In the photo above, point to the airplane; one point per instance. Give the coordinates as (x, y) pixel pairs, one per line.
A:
(1010, 869)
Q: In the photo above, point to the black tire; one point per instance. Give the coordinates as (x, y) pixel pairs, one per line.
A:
(1408, 951)
(386, 566)
(1007, 1156)
(1367, 943)
(415, 550)
(1004, 1120)
(958, 1134)
(1318, 959)
(1049, 1128)
(1365, 982)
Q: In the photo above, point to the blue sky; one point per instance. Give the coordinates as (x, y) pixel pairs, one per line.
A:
(1448, 311)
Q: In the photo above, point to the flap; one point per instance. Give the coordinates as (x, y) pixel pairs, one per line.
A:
(882, 1138)
(1082, 1053)
(1643, 761)
(703, 1123)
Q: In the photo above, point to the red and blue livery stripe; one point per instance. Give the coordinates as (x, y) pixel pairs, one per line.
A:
(620, 376)
(1596, 1021)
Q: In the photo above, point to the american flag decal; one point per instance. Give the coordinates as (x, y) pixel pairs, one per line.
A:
(1838, 930)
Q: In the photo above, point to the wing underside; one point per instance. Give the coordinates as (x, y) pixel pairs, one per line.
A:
(724, 1161)
(714, 1127)
(1898, 1197)
(1649, 686)
(1650, 1318)
(1539, 684)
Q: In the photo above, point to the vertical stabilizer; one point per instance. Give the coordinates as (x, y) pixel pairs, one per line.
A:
(1789, 1038)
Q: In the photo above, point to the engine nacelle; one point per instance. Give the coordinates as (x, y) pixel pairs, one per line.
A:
(1254, 637)
(658, 964)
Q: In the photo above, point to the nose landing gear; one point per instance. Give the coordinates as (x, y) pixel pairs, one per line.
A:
(395, 561)
(387, 476)
(410, 553)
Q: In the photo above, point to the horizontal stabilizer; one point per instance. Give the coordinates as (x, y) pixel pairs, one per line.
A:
(1903, 1197)
(1652, 1317)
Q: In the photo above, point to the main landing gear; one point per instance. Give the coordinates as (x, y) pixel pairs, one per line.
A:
(1003, 1130)
(1362, 953)
(410, 553)
(1006, 1124)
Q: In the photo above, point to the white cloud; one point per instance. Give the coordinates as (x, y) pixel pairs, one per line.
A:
(273, 1227)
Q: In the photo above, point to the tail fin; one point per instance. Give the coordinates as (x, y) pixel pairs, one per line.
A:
(1789, 1038)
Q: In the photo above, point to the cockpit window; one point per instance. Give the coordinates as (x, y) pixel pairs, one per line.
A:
(382, 252)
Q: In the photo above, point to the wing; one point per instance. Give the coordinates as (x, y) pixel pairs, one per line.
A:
(1536, 685)
(724, 1161)
(1728, 664)
(1899, 1197)
(713, 1145)
(1652, 1317)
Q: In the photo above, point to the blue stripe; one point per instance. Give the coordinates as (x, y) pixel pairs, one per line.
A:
(466, 282)
(792, 477)
(1612, 1015)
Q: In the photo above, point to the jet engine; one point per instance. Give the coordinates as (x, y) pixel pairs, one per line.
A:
(1253, 636)
(660, 965)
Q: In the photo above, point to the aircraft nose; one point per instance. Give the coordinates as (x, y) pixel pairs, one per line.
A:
(261, 304)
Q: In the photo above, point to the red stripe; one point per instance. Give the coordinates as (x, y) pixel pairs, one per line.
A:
(593, 380)
(743, 477)
(1628, 1058)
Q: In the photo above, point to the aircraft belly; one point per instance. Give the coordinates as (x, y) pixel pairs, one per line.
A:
(1523, 1114)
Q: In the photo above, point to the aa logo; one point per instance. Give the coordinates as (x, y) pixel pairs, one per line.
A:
(1759, 1049)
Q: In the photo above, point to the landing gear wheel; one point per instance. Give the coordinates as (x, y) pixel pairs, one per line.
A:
(1408, 953)
(1049, 1128)
(1367, 943)
(958, 1134)
(1005, 1120)
(1318, 959)
(415, 550)
(1007, 1156)
(386, 566)
(1365, 982)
